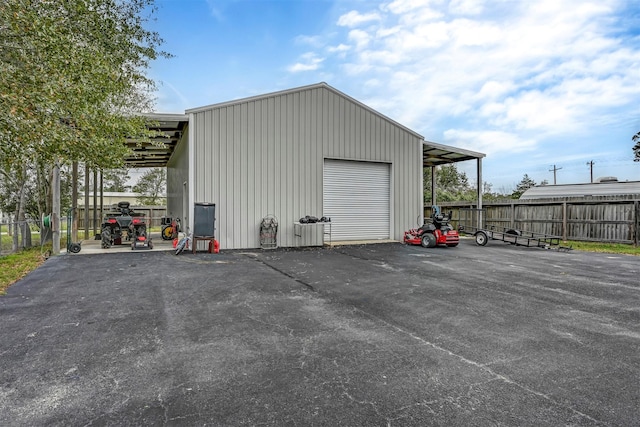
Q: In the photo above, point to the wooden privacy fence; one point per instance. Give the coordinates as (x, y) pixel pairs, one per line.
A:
(596, 219)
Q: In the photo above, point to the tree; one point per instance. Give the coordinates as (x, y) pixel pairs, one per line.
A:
(115, 180)
(71, 75)
(151, 187)
(454, 186)
(523, 186)
(636, 148)
(451, 185)
(72, 82)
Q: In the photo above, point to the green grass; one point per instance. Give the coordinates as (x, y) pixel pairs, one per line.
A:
(15, 266)
(610, 248)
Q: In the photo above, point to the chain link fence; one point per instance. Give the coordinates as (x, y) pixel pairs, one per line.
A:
(27, 232)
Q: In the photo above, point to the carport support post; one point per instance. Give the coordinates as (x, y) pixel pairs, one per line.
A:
(55, 226)
(86, 200)
(95, 201)
(636, 222)
(433, 186)
(74, 201)
(564, 221)
(480, 185)
(102, 199)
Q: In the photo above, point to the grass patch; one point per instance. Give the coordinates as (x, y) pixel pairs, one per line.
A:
(15, 266)
(609, 248)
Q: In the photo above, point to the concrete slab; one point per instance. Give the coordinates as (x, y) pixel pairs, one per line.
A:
(92, 246)
(387, 334)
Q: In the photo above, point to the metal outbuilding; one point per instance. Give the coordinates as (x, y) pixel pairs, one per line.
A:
(307, 151)
(606, 186)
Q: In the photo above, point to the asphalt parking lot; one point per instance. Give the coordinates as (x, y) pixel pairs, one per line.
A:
(370, 335)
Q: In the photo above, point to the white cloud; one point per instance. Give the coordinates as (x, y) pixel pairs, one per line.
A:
(466, 7)
(535, 68)
(360, 38)
(314, 41)
(339, 48)
(353, 18)
(216, 8)
(406, 6)
(308, 62)
(489, 142)
(495, 76)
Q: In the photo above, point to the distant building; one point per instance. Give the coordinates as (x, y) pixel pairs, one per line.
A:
(112, 198)
(605, 186)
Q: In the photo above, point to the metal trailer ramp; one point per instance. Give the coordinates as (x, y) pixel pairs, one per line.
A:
(516, 237)
(511, 236)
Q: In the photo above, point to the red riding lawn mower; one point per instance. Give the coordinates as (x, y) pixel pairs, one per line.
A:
(435, 231)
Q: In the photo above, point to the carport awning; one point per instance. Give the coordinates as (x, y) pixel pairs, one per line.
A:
(434, 154)
(171, 126)
(148, 155)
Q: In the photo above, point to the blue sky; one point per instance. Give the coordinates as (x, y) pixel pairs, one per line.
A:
(532, 84)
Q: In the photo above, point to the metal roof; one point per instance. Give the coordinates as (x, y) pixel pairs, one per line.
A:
(301, 89)
(434, 154)
(171, 126)
(616, 188)
(158, 152)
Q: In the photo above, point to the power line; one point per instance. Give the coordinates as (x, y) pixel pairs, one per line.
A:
(554, 170)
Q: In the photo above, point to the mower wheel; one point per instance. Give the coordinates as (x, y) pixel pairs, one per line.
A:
(428, 240)
(481, 238)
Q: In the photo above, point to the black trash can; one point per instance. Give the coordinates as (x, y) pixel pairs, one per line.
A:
(204, 219)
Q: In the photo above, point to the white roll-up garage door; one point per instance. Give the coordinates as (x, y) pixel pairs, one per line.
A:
(357, 199)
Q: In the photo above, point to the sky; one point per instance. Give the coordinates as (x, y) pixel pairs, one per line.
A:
(533, 84)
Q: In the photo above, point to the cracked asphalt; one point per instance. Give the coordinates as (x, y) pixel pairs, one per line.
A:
(369, 335)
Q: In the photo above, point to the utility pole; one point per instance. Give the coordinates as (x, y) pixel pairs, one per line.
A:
(590, 164)
(554, 170)
(55, 215)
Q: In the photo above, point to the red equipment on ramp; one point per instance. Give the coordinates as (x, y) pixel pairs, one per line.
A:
(436, 231)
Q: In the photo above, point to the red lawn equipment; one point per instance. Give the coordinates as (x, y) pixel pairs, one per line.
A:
(435, 231)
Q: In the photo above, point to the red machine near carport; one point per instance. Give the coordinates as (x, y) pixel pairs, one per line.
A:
(436, 231)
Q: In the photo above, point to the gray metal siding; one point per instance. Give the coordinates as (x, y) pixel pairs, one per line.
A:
(265, 156)
(177, 174)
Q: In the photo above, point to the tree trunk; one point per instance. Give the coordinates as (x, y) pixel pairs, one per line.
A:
(25, 229)
(44, 179)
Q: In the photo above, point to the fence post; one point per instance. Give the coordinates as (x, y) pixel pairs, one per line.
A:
(564, 221)
(636, 223)
(512, 214)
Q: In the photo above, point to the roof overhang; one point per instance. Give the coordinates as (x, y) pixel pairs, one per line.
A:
(170, 127)
(434, 154)
(158, 151)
